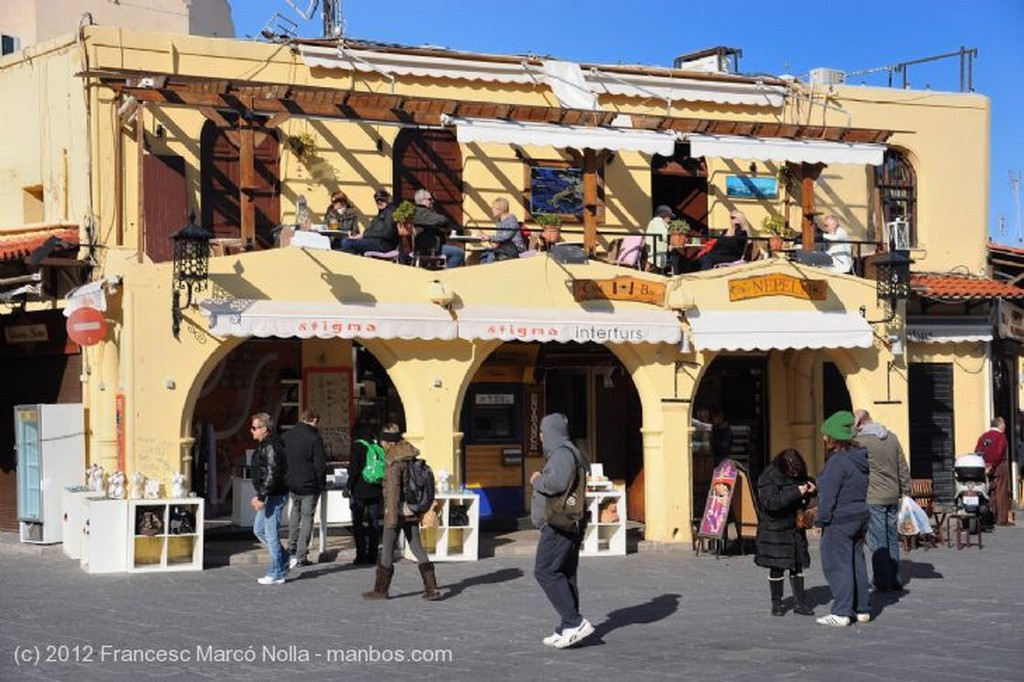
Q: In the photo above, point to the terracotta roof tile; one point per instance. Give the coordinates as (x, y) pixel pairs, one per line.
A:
(962, 287)
(20, 244)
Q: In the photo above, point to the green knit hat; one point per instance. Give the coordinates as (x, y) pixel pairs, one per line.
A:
(839, 426)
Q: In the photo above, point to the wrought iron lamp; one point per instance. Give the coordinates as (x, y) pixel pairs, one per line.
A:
(892, 279)
(191, 259)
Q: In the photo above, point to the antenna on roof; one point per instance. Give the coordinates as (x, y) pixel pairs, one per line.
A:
(1015, 188)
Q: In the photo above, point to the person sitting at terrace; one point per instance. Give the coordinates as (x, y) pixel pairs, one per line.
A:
(380, 235)
(341, 215)
(657, 237)
(507, 242)
(432, 230)
(729, 246)
(839, 248)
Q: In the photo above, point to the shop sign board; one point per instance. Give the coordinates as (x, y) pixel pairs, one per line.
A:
(777, 285)
(26, 333)
(1011, 321)
(716, 509)
(619, 289)
(87, 326)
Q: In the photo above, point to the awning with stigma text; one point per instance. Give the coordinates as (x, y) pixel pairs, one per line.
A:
(579, 325)
(324, 320)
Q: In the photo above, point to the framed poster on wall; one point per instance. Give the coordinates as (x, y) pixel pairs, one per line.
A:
(329, 390)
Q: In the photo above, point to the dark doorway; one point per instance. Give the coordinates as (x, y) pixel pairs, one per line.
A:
(931, 425)
(836, 395)
(681, 182)
(431, 160)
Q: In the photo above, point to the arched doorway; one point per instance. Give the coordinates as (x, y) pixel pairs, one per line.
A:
(431, 160)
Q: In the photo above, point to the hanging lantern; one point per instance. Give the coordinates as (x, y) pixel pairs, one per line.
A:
(892, 279)
(191, 260)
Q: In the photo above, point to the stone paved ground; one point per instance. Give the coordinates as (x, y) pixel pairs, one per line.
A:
(658, 614)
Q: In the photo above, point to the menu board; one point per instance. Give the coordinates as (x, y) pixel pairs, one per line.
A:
(716, 510)
(329, 391)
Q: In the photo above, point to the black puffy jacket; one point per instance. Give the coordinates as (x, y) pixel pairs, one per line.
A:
(307, 462)
(270, 468)
(780, 544)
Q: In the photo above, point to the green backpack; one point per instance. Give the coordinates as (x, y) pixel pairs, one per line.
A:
(373, 470)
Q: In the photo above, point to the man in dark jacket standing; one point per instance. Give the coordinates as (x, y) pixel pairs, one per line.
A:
(307, 475)
(364, 499)
(381, 234)
(558, 552)
(269, 478)
(888, 482)
(843, 518)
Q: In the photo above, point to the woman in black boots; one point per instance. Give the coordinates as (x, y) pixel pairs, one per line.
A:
(783, 489)
(396, 518)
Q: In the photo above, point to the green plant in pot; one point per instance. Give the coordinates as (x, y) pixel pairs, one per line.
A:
(302, 144)
(677, 232)
(551, 226)
(778, 230)
(403, 215)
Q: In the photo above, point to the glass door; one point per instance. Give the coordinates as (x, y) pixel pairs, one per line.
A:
(26, 434)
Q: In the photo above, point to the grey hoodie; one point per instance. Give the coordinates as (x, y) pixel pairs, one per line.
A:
(560, 460)
(888, 475)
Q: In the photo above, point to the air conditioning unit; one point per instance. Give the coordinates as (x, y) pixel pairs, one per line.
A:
(823, 76)
(9, 44)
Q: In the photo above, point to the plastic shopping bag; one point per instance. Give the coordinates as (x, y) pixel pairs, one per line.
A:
(912, 520)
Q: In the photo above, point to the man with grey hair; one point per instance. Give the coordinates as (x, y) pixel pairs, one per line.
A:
(839, 244)
(432, 230)
(507, 242)
(269, 479)
(888, 482)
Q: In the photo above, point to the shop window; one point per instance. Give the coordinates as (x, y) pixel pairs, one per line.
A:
(897, 190)
(32, 206)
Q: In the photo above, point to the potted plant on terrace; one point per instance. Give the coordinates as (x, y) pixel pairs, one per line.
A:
(403, 215)
(778, 230)
(551, 226)
(302, 144)
(677, 231)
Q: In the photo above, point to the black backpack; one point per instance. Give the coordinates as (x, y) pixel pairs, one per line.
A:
(418, 486)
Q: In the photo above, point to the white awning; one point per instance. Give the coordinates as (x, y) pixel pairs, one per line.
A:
(324, 320)
(777, 330)
(510, 323)
(562, 136)
(682, 89)
(783, 150)
(949, 332)
(419, 65)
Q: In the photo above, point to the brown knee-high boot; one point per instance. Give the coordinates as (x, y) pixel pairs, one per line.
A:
(381, 583)
(431, 592)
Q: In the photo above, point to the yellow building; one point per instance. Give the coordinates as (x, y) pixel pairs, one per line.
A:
(128, 132)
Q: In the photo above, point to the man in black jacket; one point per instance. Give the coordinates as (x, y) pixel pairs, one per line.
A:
(433, 230)
(364, 499)
(307, 472)
(381, 234)
(269, 474)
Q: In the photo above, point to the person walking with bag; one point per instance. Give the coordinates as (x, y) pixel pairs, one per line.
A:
(398, 517)
(783, 491)
(559, 506)
(365, 496)
(843, 518)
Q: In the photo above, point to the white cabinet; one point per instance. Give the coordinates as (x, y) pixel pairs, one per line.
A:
(457, 536)
(606, 537)
(105, 535)
(74, 520)
(166, 534)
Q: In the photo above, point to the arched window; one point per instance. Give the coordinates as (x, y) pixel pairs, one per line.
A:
(897, 190)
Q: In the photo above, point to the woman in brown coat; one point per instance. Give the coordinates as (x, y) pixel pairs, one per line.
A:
(399, 453)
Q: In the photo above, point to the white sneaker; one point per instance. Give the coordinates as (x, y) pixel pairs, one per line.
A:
(834, 621)
(574, 635)
(293, 562)
(863, 617)
(551, 639)
(268, 580)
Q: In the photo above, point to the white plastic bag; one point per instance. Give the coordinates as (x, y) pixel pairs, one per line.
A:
(912, 519)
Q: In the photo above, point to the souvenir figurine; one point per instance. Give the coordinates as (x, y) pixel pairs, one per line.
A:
(178, 486)
(96, 479)
(135, 489)
(117, 481)
(152, 489)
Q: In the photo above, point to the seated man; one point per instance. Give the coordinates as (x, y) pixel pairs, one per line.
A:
(508, 240)
(380, 235)
(434, 228)
(730, 245)
(657, 237)
(837, 257)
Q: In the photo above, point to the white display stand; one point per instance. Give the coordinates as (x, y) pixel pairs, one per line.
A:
(74, 520)
(165, 550)
(448, 542)
(105, 536)
(605, 539)
(337, 511)
(242, 492)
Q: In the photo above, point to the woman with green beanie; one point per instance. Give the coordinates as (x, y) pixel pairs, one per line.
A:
(843, 517)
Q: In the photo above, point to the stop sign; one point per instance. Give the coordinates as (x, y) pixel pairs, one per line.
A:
(86, 326)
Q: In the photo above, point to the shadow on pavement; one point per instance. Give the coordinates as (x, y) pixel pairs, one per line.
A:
(501, 576)
(656, 609)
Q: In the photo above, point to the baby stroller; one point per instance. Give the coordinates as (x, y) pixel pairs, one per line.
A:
(971, 491)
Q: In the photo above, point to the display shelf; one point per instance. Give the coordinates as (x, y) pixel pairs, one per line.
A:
(458, 541)
(605, 538)
(166, 534)
(104, 535)
(288, 413)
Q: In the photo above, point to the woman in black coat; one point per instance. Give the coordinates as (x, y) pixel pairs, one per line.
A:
(783, 489)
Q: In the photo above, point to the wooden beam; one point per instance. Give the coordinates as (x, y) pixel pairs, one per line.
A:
(809, 172)
(140, 205)
(215, 116)
(246, 184)
(589, 200)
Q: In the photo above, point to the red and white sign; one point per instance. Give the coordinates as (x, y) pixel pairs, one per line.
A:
(87, 326)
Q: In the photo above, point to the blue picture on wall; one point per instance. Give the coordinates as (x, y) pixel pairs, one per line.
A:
(556, 190)
(746, 187)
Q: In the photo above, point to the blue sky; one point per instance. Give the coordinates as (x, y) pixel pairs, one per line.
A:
(775, 39)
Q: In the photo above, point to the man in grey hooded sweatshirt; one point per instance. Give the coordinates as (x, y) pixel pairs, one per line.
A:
(888, 482)
(558, 552)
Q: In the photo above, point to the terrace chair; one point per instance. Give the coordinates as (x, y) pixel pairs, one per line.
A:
(631, 252)
(426, 251)
(391, 255)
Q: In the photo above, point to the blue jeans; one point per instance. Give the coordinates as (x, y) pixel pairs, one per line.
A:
(884, 544)
(453, 256)
(267, 528)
